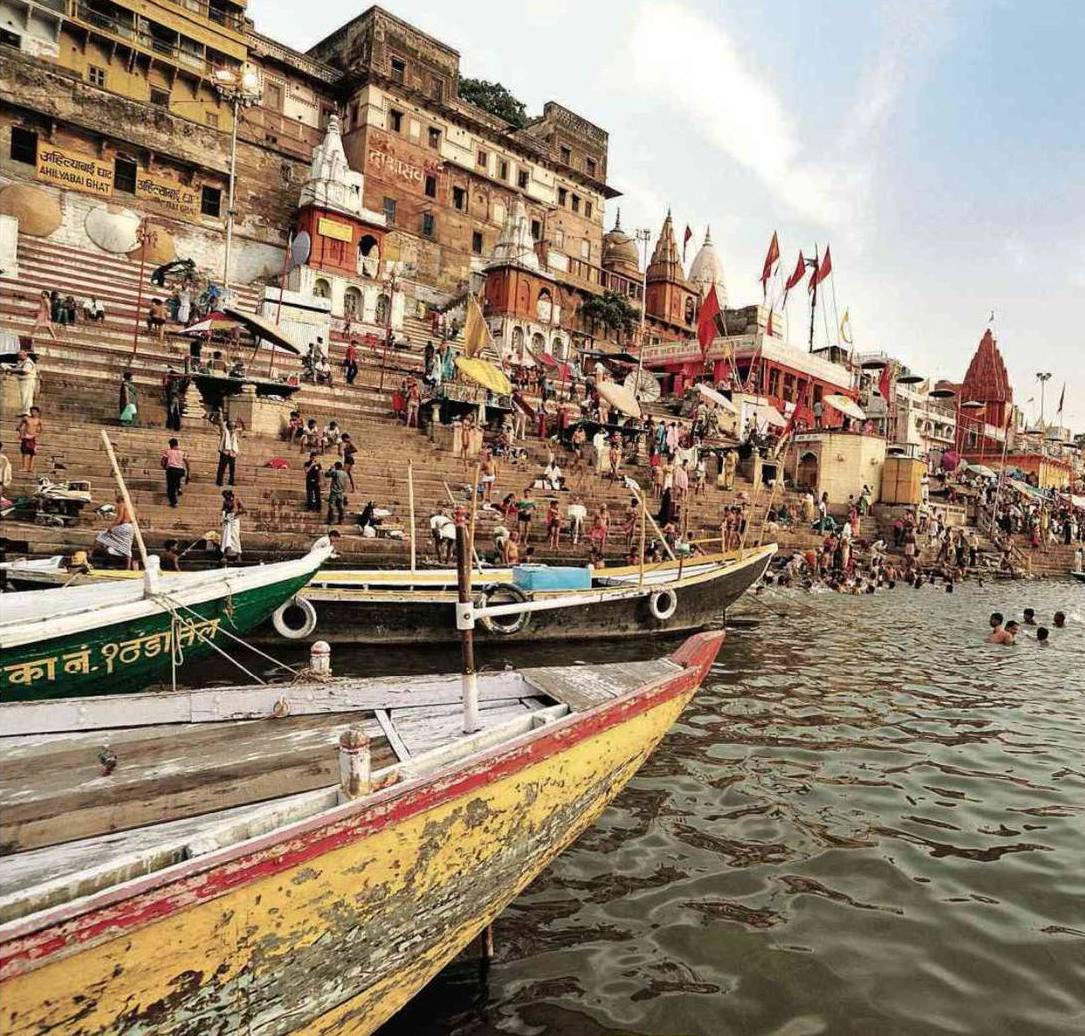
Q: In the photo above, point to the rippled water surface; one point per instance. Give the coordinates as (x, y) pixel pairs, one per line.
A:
(868, 821)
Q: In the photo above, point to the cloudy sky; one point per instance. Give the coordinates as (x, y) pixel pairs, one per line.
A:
(938, 145)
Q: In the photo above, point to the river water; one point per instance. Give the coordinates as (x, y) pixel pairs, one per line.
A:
(868, 821)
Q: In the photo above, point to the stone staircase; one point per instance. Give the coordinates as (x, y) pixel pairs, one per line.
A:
(79, 378)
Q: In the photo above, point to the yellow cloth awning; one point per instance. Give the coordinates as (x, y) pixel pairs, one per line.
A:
(485, 373)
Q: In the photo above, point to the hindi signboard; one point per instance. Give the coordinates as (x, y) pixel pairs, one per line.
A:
(75, 170)
(169, 194)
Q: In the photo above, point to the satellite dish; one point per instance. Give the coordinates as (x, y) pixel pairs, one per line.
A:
(300, 249)
(910, 379)
(941, 393)
(649, 390)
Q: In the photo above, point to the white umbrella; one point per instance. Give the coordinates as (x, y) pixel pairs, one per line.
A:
(716, 397)
(619, 397)
(848, 407)
(649, 387)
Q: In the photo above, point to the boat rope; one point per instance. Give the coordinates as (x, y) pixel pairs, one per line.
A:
(178, 654)
(236, 639)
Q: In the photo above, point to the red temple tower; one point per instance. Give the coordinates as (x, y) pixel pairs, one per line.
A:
(986, 382)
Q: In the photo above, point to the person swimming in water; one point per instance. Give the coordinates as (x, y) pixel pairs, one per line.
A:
(1000, 634)
(1041, 635)
(1060, 620)
(1030, 617)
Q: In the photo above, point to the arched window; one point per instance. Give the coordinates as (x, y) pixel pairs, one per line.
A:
(559, 348)
(383, 309)
(544, 307)
(518, 342)
(352, 302)
(368, 256)
(322, 289)
(538, 344)
(689, 311)
(807, 474)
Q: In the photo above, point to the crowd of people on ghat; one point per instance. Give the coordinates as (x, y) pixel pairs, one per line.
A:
(591, 445)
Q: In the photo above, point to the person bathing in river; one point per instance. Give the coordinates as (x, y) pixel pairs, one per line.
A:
(1001, 634)
(1030, 617)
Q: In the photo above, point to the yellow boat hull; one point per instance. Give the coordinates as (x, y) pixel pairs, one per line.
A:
(333, 924)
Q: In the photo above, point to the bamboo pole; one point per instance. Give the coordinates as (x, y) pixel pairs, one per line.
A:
(749, 522)
(643, 499)
(474, 553)
(410, 504)
(148, 578)
(765, 517)
(643, 531)
(474, 510)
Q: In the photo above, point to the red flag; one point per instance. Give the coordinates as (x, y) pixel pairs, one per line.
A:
(885, 381)
(685, 241)
(824, 268)
(707, 320)
(768, 324)
(797, 276)
(771, 258)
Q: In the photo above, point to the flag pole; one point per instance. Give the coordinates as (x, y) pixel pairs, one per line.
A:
(814, 297)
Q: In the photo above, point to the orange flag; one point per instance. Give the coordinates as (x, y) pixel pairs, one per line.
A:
(708, 320)
(824, 268)
(771, 258)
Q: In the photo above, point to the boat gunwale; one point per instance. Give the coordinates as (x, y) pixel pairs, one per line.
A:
(209, 586)
(704, 570)
(27, 943)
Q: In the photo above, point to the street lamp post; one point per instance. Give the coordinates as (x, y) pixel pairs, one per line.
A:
(1043, 379)
(643, 237)
(241, 88)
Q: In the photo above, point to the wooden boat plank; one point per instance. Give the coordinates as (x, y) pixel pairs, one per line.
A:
(581, 687)
(421, 731)
(216, 704)
(392, 734)
(41, 878)
(167, 778)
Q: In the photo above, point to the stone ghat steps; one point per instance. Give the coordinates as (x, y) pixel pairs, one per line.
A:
(94, 266)
(65, 361)
(44, 265)
(119, 293)
(275, 499)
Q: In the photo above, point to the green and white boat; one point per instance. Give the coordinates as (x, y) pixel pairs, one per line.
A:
(121, 636)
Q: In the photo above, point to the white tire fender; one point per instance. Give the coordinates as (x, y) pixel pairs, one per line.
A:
(278, 620)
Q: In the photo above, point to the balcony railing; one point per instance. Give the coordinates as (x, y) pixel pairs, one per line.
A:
(126, 30)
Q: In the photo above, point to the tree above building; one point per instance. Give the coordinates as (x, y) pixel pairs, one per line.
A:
(494, 98)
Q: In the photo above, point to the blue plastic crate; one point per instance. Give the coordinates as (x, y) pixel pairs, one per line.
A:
(545, 577)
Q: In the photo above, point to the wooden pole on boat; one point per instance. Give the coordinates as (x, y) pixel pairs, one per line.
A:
(643, 499)
(765, 518)
(749, 521)
(410, 504)
(467, 632)
(474, 553)
(643, 533)
(127, 503)
(474, 510)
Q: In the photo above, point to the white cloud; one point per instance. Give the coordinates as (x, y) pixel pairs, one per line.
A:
(738, 111)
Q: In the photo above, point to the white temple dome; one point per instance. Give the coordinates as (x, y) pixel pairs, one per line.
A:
(707, 269)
